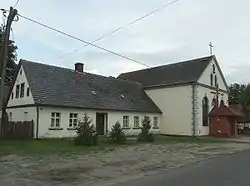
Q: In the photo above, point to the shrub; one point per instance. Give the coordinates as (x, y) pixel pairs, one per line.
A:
(145, 135)
(117, 135)
(86, 134)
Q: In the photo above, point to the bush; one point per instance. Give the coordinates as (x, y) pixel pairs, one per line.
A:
(145, 135)
(86, 134)
(117, 135)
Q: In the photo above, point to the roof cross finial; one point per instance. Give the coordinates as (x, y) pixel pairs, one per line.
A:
(211, 48)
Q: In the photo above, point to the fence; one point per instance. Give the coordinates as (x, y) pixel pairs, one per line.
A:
(18, 130)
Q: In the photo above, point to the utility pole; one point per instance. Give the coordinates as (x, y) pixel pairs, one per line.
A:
(4, 60)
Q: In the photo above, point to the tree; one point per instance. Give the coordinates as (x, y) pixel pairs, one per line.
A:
(245, 99)
(86, 134)
(235, 92)
(145, 135)
(117, 135)
(12, 57)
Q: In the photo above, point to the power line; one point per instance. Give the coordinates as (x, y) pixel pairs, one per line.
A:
(81, 40)
(120, 28)
(16, 3)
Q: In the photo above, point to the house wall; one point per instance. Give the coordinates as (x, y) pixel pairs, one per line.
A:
(113, 117)
(202, 92)
(205, 77)
(176, 105)
(18, 114)
(21, 78)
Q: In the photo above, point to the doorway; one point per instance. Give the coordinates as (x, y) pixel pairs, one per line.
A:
(101, 123)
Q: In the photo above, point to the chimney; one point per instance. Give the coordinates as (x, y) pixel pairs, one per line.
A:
(79, 67)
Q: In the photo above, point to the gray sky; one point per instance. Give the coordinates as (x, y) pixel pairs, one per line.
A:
(179, 32)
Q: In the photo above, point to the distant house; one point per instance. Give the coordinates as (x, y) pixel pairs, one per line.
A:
(176, 97)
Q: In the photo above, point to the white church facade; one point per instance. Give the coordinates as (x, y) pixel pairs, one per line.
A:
(176, 97)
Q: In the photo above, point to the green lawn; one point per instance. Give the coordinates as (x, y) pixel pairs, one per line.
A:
(67, 147)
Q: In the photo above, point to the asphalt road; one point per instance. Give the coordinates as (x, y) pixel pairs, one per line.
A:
(227, 170)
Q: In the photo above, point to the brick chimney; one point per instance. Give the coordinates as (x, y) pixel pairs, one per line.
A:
(79, 67)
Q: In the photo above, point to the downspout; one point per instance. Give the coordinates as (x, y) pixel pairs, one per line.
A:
(37, 121)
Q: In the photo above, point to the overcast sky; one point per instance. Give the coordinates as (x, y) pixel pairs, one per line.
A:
(179, 32)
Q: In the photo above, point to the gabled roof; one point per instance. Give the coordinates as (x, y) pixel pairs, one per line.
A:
(223, 110)
(171, 74)
(56, 86)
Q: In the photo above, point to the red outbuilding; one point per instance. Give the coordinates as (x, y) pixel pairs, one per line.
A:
(223, 121)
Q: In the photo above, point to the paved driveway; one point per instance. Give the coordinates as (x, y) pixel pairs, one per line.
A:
(229, 170)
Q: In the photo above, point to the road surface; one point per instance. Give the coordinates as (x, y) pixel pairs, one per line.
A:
(228, 170)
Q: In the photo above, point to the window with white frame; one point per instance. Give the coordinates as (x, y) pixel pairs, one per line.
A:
(136, 122)
(125, 122)
(155, 123)
(73, 119)
(55, 120)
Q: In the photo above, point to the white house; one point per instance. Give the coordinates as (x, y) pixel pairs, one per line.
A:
(56, 98)
(185, 93)
(177, 98)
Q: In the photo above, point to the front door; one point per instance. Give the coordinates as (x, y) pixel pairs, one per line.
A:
(100, 121)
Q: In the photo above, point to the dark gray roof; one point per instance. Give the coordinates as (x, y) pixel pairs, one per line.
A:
(51, 85)
(171, 74)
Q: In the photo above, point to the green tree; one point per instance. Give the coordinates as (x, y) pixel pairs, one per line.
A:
(245, 99)
(235, 92)
(145, 135)
(117, 135)
(12, 57)
(86, 134)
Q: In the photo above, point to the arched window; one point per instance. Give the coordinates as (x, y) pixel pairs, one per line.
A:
(214, 102)
(213, 68)
(211, 80)
(215, 81)
(205, 111)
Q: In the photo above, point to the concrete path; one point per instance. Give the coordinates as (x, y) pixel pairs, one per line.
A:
(229, 170)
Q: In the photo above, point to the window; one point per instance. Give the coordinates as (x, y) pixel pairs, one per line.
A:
(213, 102)
(213, 68)
(136, 122)
(10, 116)
(17, 91)
(155, 124)
(22, 91)
(21, 71)
(215, 81)
(211, 80)
(73, 119)
(205, 111)
(28, 92)
(12, 95)
(125, 122)
(55, 120)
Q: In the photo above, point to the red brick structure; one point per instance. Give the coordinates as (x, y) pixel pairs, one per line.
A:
(223, 121)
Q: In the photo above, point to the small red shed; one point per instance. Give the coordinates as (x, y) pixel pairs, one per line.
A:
(223, 121)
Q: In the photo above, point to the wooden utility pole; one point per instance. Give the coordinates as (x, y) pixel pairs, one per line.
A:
(4, 60)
